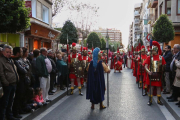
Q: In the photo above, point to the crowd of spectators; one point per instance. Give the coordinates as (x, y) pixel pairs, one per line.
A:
(28, 78)
(172, 80)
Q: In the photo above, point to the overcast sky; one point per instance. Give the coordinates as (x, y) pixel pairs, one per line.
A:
(117, 14)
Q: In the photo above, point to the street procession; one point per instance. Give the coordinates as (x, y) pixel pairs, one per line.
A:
(89, 60)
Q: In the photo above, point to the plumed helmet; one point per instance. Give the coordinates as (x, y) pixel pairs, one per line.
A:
(143, 48)
(156, 47)
(73, 46)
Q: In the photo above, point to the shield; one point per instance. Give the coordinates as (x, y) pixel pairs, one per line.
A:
(79, 69)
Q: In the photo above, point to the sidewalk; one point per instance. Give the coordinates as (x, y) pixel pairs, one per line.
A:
(59, 94)
(173, 109)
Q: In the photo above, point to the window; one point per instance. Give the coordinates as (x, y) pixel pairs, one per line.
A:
(178, 7)
(160, 7)
(168, 7)
(33, 2)
(145, 22)
(45, 14)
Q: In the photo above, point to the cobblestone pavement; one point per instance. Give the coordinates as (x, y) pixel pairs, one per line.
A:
(126, 103)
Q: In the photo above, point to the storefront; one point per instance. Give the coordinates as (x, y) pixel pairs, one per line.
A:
(10, 39)
(40, 36)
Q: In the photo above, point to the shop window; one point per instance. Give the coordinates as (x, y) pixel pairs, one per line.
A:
(168, 7)
(45, 14)
(33, 7)
(178, 7)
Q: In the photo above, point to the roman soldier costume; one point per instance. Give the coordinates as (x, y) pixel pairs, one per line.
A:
(112, 61)
(74, 73)
(118, 62)
(86, 60)
(90, 55)
(135, 64)
(156, 62)
(141, 69)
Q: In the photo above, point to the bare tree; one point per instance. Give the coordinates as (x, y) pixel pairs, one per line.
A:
(58, 5)
(84, 16)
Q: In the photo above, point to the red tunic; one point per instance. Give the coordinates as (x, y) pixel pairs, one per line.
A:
(73, 76)
(134, 67)
(85, 58)
(132, 63)
(147, 61)
(139, 67)
(117, 64)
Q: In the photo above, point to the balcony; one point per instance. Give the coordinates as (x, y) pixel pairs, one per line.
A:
(138, 30)
(154, 3)
(136, 21)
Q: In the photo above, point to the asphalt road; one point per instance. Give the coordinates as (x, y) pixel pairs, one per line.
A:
(126, 103)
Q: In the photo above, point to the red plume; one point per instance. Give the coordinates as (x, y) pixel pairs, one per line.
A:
(73, 44)
(155, 43)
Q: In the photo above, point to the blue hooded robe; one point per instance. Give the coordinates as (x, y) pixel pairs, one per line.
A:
(95, 83)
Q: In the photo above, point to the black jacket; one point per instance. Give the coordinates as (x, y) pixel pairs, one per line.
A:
(168, 58)
(174, 66)
(54, 69)
(24, 70)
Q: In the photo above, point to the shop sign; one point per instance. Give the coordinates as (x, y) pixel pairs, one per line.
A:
(51, 35)
(28, 5)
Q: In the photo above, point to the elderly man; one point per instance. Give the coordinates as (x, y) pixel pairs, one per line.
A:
(44, 69)
(173, 68)
(168, 58)
(53, 72)
(9, 79)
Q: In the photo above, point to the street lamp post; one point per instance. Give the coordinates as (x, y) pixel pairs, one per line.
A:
(107, 47)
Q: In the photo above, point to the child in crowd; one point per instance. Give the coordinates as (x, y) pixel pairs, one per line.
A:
(30, 105)
(39, 97)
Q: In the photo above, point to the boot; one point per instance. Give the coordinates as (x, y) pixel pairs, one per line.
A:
(72, 88)
(150, 101)
(158, 100)
(102, 106)
(145, 92)
(80, 91)
(140, 84)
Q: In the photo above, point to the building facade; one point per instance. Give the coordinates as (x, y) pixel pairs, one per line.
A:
(172, 9)
(137, 27)
(41, 33)
(130, 40)
(114, 35)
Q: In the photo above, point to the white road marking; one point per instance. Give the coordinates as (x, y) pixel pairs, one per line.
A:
(164, 110)
(52, 107)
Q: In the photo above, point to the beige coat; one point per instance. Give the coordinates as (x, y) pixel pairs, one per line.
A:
(7, 73)
(177, 80)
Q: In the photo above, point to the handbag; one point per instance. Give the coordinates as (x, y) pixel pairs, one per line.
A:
(1, 90)
(178, 73)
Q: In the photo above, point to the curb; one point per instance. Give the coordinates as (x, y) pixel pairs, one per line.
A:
(172, 108)
(54, 99)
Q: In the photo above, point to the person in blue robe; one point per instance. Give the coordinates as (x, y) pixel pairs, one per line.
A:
(96, 82)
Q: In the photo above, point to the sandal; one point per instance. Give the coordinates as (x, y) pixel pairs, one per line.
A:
(103, 107)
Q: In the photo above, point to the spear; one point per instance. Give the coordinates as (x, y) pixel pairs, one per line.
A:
(150, 65)
(67, 82)
(107, 47)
